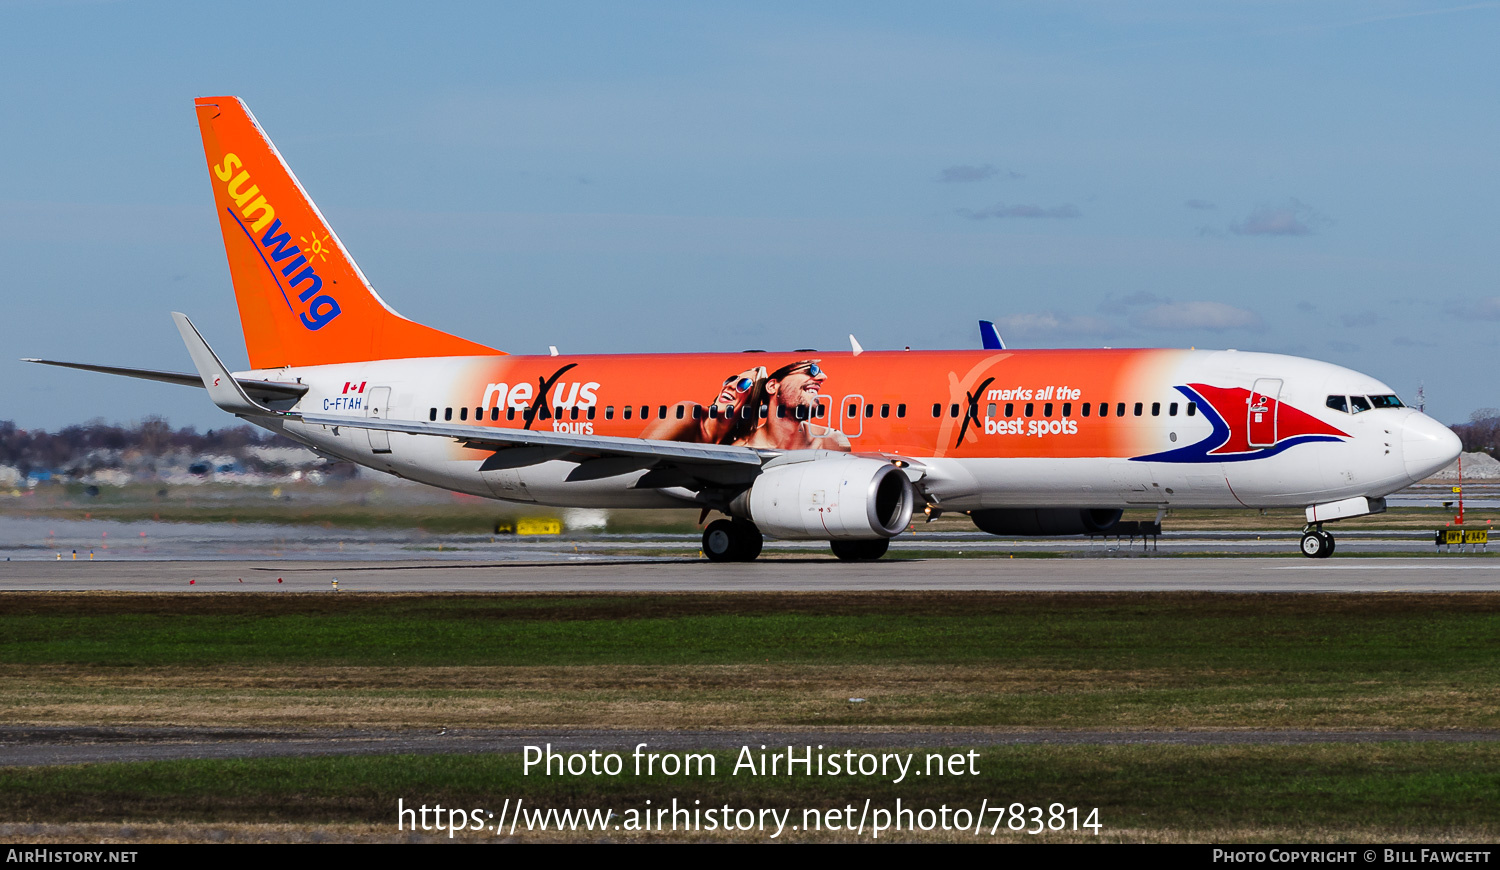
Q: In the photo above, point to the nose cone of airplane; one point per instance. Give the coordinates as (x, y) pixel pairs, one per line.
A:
(1427, 446)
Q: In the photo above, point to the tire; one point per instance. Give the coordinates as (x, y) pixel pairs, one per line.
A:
(1331, 544)
(749, 539)
(1315, 545)
(720, 543)
(859, 551)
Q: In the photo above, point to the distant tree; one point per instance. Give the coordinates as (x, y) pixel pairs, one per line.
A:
(1482, 433)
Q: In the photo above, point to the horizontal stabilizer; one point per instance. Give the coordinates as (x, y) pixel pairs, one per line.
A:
(265, 391)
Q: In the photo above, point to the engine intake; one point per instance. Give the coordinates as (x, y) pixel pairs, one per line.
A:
(835, 497)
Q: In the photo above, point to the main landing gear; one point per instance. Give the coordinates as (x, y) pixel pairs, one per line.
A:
(732, 541)
(1316, 543)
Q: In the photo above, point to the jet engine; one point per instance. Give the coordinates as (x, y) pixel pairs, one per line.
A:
(830, 498)
(1046, 521)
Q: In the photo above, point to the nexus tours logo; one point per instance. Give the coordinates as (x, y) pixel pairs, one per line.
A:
(296, 264)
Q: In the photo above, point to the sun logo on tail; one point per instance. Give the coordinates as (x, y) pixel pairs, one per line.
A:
(315, 247)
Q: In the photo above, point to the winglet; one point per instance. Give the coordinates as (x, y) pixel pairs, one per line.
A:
(221, 385)
(989, 336)
(854, 345)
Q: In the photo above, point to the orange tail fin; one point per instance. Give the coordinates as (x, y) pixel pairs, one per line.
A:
(302, 299)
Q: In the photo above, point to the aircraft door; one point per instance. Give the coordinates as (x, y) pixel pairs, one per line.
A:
(1264, 400)
(851, 424)
(378, 408)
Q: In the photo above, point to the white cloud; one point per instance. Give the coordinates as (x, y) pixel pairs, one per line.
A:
(1051, 323)
(1001, 210)
(1211, 316)
(962, 174)
(1293, 219)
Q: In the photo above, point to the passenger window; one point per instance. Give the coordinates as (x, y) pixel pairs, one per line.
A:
(1067, 409)
(1172, 410)
(447, 413)
(661, 411)
(1010, 409)
(495, 414)
(1358, 403)
(699, 413)
(1338, 403)
(1156, 409)
(765, 411)
(609, 412)
(853, 411)
(680, 412)
(1084, 408)
(510, 413)
(573, 412)
(528, 414)
(952, 410)
(900, 410)
(479, 413)
(1192, 409)
(937, 409)
(1029, 408)
(1139, 408)
(990, 411)
(432, 415)
(590, 412)
(624, 412)
(1047, 410)
(463, 413)
(885, 411)
(1119, 409)
(869, 410)
(1104, 409)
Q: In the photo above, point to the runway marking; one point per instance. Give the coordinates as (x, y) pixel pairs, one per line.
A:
(1384, 566)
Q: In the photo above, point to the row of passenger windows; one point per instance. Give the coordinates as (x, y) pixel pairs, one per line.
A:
(1101, 409)
(662, 412)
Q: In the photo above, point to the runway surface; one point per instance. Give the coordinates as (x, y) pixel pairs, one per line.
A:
(1451, 573)
(22, 746)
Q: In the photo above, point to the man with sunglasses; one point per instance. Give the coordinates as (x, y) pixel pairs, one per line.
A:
(792, 393)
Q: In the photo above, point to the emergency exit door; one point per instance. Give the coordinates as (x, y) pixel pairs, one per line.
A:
(1264, 400)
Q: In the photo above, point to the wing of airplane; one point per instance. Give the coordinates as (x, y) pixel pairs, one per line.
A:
(230, 394)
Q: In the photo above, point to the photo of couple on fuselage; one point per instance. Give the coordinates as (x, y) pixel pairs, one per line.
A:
(758, 408)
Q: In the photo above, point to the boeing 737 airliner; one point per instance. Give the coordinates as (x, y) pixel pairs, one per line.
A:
(841, 447)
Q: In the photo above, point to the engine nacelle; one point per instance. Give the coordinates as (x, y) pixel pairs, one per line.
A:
(832, 498)
(1046, 521)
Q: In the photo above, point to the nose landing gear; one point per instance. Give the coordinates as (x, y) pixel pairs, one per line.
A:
(1316, 543)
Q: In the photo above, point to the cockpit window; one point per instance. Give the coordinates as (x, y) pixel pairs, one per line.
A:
(1386, 402)
(1338, 403)
(1358, 403)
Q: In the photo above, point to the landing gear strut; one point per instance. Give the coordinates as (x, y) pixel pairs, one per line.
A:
(732, 541)
(1316, 543)
(860, 551)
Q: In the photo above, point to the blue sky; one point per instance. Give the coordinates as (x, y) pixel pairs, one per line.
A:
(1313, 178)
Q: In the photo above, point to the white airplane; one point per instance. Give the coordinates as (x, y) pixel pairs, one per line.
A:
(809, 445)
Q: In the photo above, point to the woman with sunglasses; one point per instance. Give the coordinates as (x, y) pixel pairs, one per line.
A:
(731, 416)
